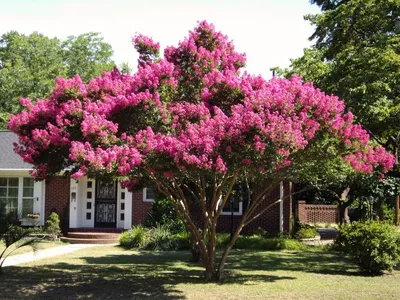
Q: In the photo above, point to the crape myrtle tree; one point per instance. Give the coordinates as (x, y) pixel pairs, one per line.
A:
(356, 56)
(193, 125)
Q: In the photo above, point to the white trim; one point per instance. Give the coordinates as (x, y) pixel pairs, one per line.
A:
(145, 199)
(235, 213)
(38, 197)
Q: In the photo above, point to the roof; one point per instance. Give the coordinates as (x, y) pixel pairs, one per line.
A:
(9, 160)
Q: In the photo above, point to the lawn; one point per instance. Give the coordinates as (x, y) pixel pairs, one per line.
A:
(109, 272)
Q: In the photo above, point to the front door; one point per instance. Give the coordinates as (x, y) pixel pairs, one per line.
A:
(105, 204)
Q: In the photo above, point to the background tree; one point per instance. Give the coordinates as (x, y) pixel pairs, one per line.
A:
(125, 67)
(193, 126)
(87, 55)
(29, 64)
(356, 56)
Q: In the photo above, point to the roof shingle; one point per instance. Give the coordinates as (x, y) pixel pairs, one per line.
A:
(8, 158)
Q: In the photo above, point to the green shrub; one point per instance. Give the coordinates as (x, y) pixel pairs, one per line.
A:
(161, 239)
(387, 214)
(163, 212)
(222, 239)
(375, 247)
(183, 240)
(259, 231)
(306, 232)
(53, 226)
(137, 237)
(257, 242)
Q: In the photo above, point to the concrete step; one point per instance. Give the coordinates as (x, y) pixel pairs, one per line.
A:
(89, 241)
(327, 233)
(91, 229)
(94, 235)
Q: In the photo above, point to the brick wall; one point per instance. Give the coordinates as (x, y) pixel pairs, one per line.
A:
(139, 208)
(57, 199)
(317, 213)
(268, 221)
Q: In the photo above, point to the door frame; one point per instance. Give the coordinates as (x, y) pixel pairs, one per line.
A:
(96, 202)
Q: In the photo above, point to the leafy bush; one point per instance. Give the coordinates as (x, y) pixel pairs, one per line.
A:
(387, 214)
(163, 212)
(183, 240)
(306, 232)
(259, 231)
(53, 226)
(375, 247)
(259, 243)
(222, 239)
(161, 239)
(135, 238)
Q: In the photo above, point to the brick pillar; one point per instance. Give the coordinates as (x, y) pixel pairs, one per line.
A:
(57, 199)
(301, 211)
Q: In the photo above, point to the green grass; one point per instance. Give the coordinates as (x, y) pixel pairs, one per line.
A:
(109, 272)
(37, 246)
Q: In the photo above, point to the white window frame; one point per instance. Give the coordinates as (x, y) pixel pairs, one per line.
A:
(19, 190)
(27, 198)
(20, 196)
(235, 213)
(145, 199)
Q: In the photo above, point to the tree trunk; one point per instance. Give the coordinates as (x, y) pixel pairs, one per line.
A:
(210, 273)
(342, 212)
(221, 266)
(210, 264)
(343, 204)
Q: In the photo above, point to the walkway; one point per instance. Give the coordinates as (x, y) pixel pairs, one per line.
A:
(45, 253)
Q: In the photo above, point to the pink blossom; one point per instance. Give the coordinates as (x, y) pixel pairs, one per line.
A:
(191, 110)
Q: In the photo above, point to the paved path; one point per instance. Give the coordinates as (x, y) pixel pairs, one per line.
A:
(45, 253)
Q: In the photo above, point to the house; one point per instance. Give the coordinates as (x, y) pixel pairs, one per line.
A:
(92, 205)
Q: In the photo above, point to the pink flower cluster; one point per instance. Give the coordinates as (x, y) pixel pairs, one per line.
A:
(192, 110)
(148, 50)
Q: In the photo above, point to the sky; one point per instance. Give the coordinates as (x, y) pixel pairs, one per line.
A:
(270, 32)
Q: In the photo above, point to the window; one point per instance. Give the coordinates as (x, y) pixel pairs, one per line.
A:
(122, 217)
(88, 205)
(122, 195)
(89, 184)
(122, 206)
(9, 193)
(88, 216)
(27, 197)
(237, 208)
(89, 195)
(148, 194)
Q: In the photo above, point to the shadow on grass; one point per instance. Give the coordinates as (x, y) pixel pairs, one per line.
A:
(320, 262)
(141, 275)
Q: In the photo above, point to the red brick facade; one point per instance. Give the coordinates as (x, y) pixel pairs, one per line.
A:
(269, 221)
(57, 199)
(140, 208)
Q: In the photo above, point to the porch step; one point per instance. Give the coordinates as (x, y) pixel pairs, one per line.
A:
(91, 238)
(91, 229)
(88, 241)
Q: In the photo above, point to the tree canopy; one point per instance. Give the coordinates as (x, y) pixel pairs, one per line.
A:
(192, 124)
(30, 63)
(356, 55)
